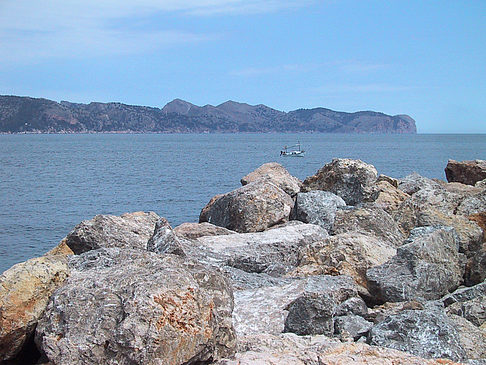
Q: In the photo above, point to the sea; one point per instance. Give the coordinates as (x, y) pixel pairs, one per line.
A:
(51, 182)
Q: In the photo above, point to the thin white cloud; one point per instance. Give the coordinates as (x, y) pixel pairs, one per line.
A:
(360, 88)
(32, 30)
(259, 71)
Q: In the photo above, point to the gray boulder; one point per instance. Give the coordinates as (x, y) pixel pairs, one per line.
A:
(354, 305)
(473, 204)
(349, 179)
(276, 174)
(317, 207)
(427, 267)
(427, 334)
(275, 251)
(313, 311)
(414, 182)
(351, 327)
(123, 306)
(130, 230)
(164, 240)
(465, 294)
(474, 310)
(266, 309)
(369, 221)
(251, 208)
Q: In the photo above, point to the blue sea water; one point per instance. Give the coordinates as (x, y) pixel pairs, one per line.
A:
(49, 183)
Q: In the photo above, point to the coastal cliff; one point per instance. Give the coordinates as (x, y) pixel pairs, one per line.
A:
(345, 267)
(32, 115)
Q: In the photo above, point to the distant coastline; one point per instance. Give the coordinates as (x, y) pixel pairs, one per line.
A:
(33, 115)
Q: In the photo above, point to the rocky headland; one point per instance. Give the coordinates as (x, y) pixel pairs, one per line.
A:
(33, 115)
(345, 267)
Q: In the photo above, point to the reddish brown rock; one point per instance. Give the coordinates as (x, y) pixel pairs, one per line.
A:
(466, 172)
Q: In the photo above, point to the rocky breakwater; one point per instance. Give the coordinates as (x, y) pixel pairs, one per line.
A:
(346, 267)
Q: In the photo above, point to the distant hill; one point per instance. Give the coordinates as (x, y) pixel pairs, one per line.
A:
(24, 114)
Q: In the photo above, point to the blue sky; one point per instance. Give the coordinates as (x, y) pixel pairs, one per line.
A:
(422, 58)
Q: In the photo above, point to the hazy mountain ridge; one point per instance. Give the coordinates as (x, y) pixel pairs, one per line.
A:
(24, 114)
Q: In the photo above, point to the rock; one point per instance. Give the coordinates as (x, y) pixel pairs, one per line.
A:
(251, 208)
(414, 182)
(344, 254)
(458, 188)
(387, 196)
(390, 180)
(285, 348)
(466, 172)
(464, 294)
(313, 312)
(276, 174)
(474, 310)
(427, 267)
(266, 309)
(130, 230)
(473, 204)
(476, 267)
(370, 222)
(427, 334)
(164, 240)
(61, 249)
(192, 231)
(349, 179)
(361, 353)
(481, 184)
(317, 207)
(275, 251)
(351, 327)
(25, 289)
(480, 219)
(471, 338)
(469, 234)
(378, 313)
(143, 308)
(354, 305)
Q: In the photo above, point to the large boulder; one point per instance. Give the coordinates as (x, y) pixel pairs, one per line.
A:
(351, 327)
(251, 208)
(276, 174)
(414, 182)
(130, 230)
(369, 221)
(123, 306)
(427, 267)
(267, 309)
(465, 294)
(192, 231)
(275, 251)
(344, 254)
(423, 333)
(317, 207)
(466, 172)
(24, 293)
(349, 179)
(313, 312)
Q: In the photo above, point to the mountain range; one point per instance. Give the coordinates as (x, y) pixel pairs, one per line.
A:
(33, 115)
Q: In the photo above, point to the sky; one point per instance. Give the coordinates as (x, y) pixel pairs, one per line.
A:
(423, 58)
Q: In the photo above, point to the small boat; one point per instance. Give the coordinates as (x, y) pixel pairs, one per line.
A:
(288, 151)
